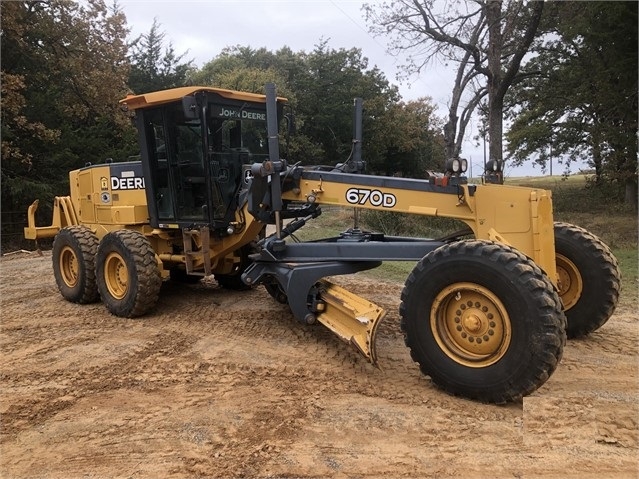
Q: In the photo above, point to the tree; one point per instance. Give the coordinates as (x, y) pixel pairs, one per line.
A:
(325, 90)
(244, 69)
(416, 144)
(283, 63)
(64, 69)
(155, 66)
(485, 39)
(399, 138)
(583, 104)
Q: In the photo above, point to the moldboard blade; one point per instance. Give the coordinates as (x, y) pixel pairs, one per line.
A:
(351, 317)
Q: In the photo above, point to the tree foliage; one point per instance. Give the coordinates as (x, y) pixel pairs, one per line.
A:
(154, 63)
(320, 86)
(580, 100)
(66, 65)
(64, 69)
(415, 145)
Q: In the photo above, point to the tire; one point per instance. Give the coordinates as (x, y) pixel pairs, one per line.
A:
(483, 321)
(233, 280)
(74, 249)
(128, 275)
(589, 279)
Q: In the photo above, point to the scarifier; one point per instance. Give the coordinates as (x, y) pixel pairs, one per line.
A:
(485, 310)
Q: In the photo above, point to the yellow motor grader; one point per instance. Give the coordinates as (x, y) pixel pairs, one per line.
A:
(485, 311)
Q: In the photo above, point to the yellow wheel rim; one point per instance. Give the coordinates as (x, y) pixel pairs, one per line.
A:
(470, 325)
(69, 266)
(569, 281)
(116, 275)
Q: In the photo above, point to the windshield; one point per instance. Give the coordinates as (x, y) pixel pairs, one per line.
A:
(234, 128)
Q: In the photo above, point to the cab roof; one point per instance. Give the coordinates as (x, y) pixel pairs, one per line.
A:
(133, 102)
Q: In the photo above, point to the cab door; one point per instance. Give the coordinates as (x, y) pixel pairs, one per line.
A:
(178, 193)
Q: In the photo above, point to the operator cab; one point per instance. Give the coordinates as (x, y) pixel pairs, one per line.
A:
(197, 145)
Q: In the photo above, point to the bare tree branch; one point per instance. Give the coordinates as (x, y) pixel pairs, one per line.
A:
(522, 47)
(441, 36)
(487, 38)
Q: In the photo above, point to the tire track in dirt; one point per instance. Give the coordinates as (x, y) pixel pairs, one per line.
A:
(312, 349)
(220, 383)
(198, 315)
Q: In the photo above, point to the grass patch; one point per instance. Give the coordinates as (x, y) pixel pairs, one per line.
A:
(330, 223)
(391, 271)
(403, 224)
(628, 259)
(599, 209)
(628, 264)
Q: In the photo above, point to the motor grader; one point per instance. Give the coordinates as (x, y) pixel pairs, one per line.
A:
(485, 311)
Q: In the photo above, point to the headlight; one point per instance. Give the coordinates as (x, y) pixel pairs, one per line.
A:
(494, 166)
(453, 165)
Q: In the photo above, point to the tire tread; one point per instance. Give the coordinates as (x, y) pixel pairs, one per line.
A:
(148, 275)
(87, 242)
(551, 335)
(599, 310)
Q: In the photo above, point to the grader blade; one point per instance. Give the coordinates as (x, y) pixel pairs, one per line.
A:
(351, 317)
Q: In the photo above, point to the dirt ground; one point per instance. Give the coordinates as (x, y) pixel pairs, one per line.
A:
(216, 383)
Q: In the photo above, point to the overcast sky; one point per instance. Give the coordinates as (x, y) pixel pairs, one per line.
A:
(203, 28)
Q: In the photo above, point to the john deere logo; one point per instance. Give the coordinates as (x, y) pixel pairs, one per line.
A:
(104, 183)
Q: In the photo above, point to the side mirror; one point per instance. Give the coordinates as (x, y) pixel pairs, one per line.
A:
(189, 108)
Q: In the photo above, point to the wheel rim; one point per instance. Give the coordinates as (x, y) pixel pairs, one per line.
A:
(470, 325)
(116, 275)
(569, 281)
(69, 266)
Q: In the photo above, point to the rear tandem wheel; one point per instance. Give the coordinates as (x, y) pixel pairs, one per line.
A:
(233, 280)
(178, 274)
(483, 321)
(127, 273)
(74, 249)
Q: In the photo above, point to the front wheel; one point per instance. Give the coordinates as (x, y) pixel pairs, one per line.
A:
(483, 321)
(589, 279)
(128, 274)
